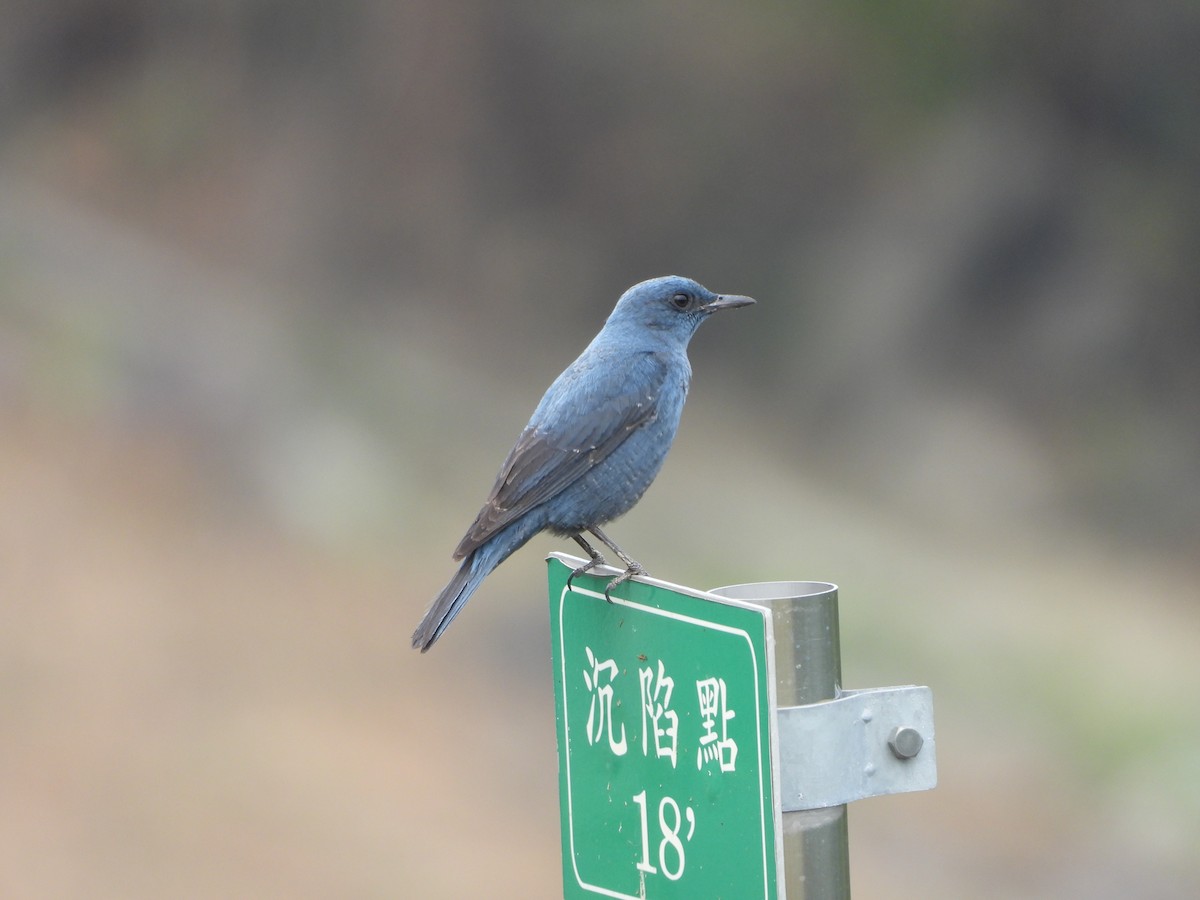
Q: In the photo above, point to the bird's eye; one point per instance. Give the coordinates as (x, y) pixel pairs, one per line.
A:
(681, 301)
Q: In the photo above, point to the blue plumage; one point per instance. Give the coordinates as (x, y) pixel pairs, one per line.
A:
(595, 442)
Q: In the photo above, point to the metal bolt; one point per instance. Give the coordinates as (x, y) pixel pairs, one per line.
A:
(905, 742)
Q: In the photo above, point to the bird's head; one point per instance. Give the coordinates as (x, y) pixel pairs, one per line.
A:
(672, 305)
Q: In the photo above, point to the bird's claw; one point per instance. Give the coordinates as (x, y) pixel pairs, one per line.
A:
(598, 560)
(634, 569)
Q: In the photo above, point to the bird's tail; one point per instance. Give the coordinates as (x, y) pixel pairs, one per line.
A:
(450, 601)
(478, 564)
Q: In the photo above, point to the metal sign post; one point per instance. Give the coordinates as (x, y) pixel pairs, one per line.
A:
(808, 669)
(706, 749)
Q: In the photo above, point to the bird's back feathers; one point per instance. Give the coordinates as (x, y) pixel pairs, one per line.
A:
(589, 411)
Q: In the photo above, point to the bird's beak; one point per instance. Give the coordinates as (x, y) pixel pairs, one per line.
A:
(729, 301)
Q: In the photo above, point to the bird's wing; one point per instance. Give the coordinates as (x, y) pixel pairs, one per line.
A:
(585, 422)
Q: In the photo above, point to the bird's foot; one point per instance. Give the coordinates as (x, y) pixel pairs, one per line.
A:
(634, 569)
(596, 560)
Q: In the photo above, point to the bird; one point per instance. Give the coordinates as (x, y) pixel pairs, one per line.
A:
(594, 443)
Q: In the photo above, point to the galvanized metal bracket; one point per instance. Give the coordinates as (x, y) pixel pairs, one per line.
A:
(861, 744)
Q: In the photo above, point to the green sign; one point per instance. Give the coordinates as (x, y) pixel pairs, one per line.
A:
(664, 703)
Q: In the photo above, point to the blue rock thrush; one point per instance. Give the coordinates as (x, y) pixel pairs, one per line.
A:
(594, 443)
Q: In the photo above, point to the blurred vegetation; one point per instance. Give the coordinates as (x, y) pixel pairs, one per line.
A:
(279, 283)
(992, 197)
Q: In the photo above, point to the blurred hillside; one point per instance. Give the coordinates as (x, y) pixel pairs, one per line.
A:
(975, 223)
(279, 284)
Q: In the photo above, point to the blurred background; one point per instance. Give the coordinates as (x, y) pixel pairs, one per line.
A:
(280, 283)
